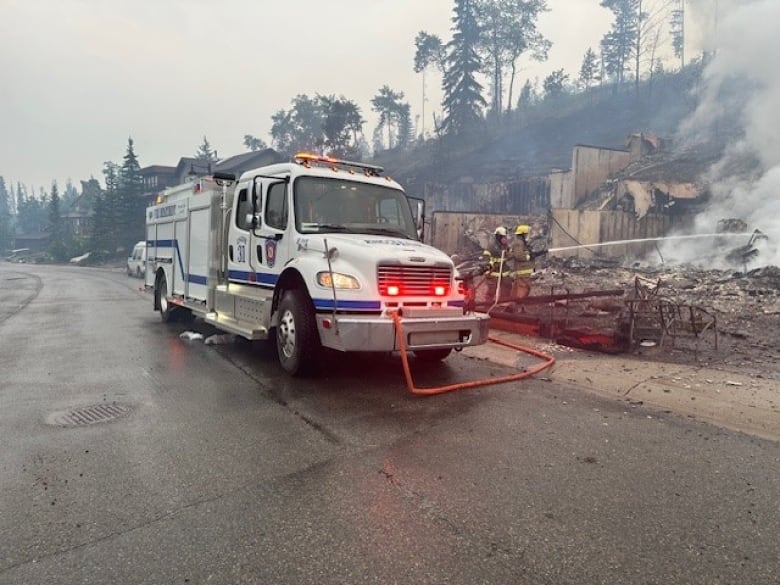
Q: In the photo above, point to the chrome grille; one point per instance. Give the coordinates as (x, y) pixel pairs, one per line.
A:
(413, 280)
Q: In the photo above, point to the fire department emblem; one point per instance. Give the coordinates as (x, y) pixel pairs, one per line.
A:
(270, 253)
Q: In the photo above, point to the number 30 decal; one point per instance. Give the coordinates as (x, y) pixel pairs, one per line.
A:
(241, 251)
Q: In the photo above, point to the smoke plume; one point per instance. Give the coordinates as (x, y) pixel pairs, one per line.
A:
(739, 99)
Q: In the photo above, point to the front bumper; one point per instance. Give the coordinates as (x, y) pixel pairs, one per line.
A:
(372, 333)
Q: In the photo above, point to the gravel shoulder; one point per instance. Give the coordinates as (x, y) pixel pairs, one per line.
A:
(737, 398)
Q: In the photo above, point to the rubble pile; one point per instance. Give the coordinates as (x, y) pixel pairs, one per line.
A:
(744, 308)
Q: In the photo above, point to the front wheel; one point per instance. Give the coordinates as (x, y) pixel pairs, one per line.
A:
(297, 339)
(432, 355)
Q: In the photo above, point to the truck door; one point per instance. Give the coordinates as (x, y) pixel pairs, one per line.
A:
(257, 246)
(240, 265)
(272, 249)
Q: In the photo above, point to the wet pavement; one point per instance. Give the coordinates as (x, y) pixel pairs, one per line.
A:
(207, 464)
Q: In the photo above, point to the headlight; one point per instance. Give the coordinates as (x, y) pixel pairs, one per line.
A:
(344, 281)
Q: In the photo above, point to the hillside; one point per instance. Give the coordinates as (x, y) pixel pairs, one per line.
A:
(540, 138)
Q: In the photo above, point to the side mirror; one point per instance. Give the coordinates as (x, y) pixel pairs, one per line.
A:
(256, 192)
(418, 211)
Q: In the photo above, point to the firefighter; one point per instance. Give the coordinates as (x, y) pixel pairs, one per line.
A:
(498, 255)
(521, 262)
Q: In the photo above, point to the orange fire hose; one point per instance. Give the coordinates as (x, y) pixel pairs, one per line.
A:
(548, 361)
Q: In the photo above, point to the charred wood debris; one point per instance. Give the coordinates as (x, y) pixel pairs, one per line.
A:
(670, 313)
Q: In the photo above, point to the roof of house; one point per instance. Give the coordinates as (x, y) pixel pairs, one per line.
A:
(196, 166)
(157, 169)
(249, 160)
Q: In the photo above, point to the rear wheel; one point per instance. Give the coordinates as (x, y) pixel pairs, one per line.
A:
(161, 299)
(297, 340)
(432, 355)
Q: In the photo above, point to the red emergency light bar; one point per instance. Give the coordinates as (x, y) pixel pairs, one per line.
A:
(307, 159)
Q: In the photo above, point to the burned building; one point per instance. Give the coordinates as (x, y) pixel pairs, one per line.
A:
(646, 191)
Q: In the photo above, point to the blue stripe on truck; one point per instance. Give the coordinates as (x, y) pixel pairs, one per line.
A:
(327, 304)
(168, 244)
(261, 278)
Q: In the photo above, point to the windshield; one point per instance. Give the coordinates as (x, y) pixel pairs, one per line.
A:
(341, 205)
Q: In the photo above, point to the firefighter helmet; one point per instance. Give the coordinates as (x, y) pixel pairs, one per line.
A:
(522, 230)
(500, 231)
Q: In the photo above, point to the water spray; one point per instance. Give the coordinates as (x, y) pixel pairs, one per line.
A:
(658, 239)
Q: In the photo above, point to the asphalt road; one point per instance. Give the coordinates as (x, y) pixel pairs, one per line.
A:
(214, 467)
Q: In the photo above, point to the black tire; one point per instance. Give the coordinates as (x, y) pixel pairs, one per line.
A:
(432, 355)
(297, 340)
(161, 299)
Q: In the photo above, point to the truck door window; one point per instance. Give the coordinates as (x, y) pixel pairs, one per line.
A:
(243, 210)
(276, 206)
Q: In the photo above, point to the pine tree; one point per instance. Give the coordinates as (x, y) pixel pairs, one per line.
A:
(130, 202)
(405, 130)
(527, 95)
(387, 103)
(205, 153)
(507, 30)
(589, 69)
(429, 51)
(57, 234)
(555, 84)
(103, 239)
(6, 223)
(69, 194)
(463, 102)
(677, 25)
(20, 198)
(618, 46)
(31, 210)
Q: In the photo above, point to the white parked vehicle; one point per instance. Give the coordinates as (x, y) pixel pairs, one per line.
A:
(318, 252)
(136, 262)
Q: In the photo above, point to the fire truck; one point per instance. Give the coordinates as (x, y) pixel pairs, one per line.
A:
(316, 252)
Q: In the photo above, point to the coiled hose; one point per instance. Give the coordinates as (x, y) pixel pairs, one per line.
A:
(548, 361)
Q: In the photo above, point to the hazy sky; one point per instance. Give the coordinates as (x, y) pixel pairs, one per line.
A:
(77, 77)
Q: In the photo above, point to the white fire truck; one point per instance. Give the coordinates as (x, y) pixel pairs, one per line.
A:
(316, 252)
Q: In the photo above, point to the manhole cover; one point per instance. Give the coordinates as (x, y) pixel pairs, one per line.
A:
(88, 415)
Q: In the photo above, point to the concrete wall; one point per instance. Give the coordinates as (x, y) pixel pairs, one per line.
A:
(448, 229)
(561, 189)
(592, 166)
(529, 195)
(571, 227)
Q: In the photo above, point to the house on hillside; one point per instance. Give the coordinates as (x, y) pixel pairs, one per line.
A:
(35, 243)
(247, 161)
(78, 215)
(189, 169)
(159, 177)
